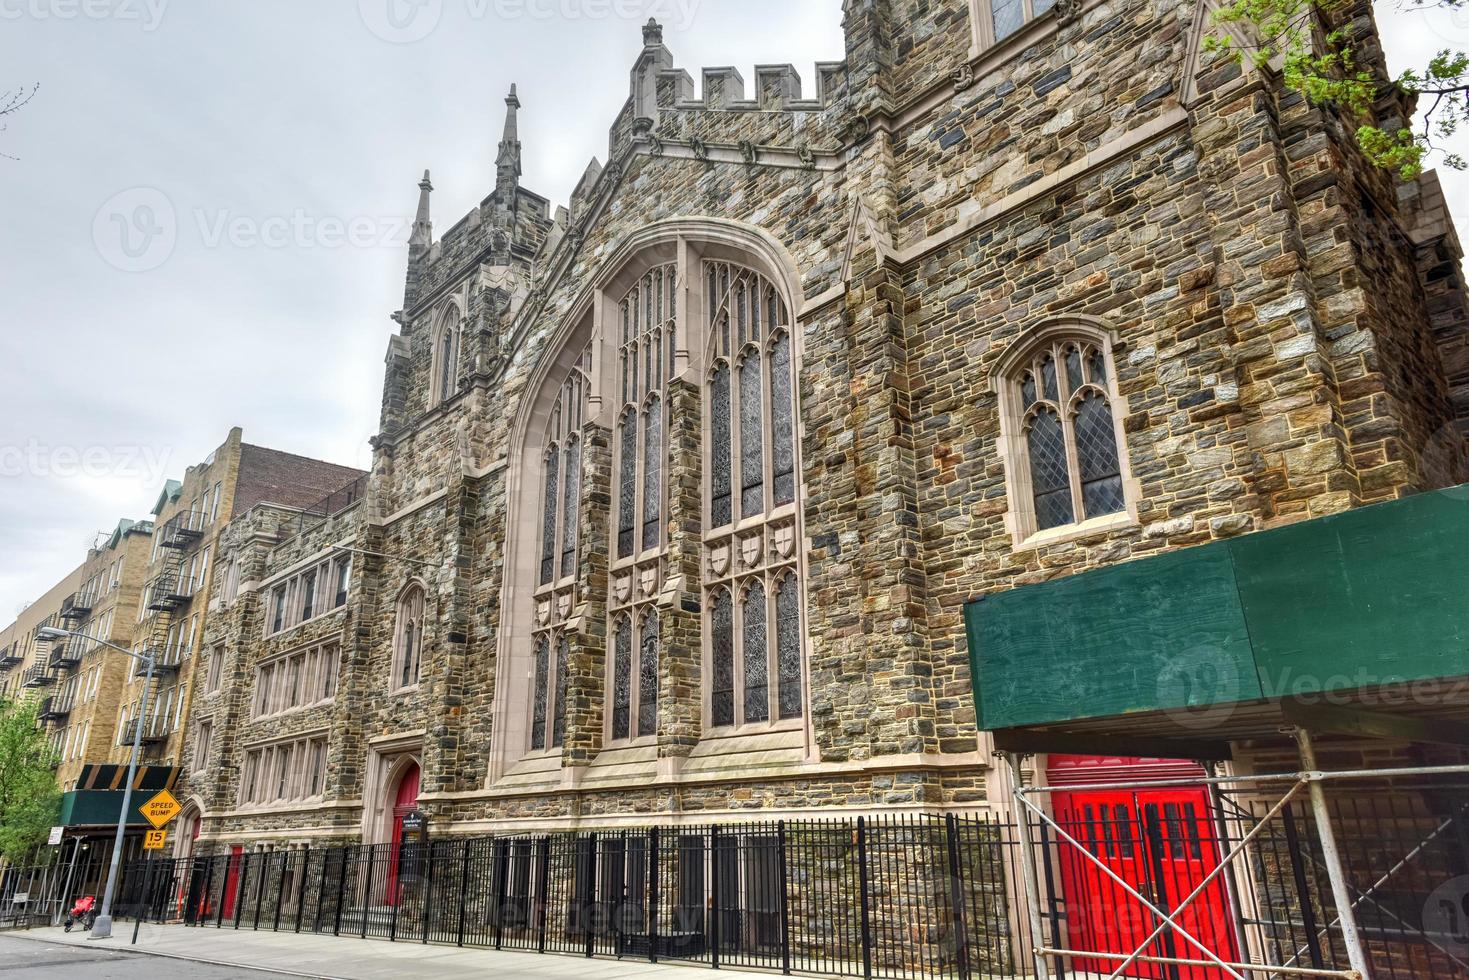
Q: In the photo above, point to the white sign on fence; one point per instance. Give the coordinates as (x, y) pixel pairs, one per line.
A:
(55, 837)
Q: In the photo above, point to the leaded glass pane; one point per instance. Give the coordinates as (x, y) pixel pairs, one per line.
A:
(540, 696)
(627, 486)
(721, 615)
(757, 657)
(1096, 367)
(742, 313)
(648, 679)
(1039, 7)
(1048, 378)
(653, 476)
(571, 508)
(548, 518)
(783, 424)
(752, 450)
(448, 355)
(721, 453)
(1049, 476)
(558, 724)
(788, 646)
(1009, 16)
(622, 680)
(1097, 456)
(1027, 390)
(1074, 379)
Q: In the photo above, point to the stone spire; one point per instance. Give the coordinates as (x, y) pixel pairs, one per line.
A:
(507, 164)
(423, 227)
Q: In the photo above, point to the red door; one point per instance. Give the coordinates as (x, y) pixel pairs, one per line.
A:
(404, 803)
(1163, 844)
(232, 881)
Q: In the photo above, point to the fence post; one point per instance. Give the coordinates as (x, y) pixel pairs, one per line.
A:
(394, 894)
(428, 889)
(1303, 890)
(280, 891)
(242, 892)
(653, 843)
(545, 847)
(862, 890)
(956, 895)
(341, 892)
(463, 893)
(589, 908)
(367, 893)
(714, 922)
(501, 871)
(782, 865)
(260, 888)
(197, 915)
(305, 874)
(224, 888)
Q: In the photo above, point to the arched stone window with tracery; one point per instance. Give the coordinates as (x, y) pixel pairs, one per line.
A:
(408, 638)
(444, 381)
(1066, 462)
(645, 326)
(751, 580)
(559, 537)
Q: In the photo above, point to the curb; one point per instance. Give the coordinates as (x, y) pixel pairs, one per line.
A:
(134, 951)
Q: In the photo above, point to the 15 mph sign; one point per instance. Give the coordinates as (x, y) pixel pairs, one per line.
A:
(160, 810)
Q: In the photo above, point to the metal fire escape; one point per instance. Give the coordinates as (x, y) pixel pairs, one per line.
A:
(167, 598)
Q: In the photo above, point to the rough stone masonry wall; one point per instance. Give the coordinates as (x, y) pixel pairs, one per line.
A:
(1263, 380)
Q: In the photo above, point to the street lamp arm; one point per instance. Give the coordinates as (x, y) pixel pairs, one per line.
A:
(56, 633)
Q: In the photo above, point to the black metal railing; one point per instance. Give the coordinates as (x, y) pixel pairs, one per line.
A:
(38, 676)
(892, 898)
(68, 653)
(183, 529)
(76, 607)
(326, 508)
(55, 708)
(10, 657)
(152, 733)
(170, 590)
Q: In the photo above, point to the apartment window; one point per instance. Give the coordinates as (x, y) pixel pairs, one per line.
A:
(218, 496)
(208, 502)
(278, 608)
(216, 670)
(408, 640)
(285, 772)
(308, 595)
(231, 581)
(301, 679)
(1061, 436)
(202, 738)
(203, 571)
(343, 567)
(996, 20)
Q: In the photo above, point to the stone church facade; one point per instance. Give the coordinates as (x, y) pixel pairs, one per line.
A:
(680, 489)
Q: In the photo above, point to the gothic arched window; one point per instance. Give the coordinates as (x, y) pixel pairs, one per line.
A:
(1066, 462)
(445, 363)
(645, 335)
(752, 591)
(408, 639)
(558, 541)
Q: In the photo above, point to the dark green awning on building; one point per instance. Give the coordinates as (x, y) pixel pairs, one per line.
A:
(1372, 599)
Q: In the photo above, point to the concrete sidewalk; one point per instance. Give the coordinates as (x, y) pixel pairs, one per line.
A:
(331, 958)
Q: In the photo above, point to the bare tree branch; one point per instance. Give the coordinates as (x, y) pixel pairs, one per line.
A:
(11, 102)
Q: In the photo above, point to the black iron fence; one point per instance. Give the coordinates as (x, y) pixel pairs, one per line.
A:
(899, 898)
(894, 898)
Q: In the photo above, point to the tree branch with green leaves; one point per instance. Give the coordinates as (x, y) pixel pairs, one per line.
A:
(1322, 62)
(30, 801)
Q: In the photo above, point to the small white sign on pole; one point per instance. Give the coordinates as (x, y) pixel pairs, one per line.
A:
(55, 837)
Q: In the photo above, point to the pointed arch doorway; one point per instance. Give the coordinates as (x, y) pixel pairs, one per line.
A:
(404, 801)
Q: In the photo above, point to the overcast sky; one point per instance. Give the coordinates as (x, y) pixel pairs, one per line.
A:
(276, 145)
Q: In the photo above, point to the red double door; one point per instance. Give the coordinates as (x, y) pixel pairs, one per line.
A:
(1163, 843)
(404, 803)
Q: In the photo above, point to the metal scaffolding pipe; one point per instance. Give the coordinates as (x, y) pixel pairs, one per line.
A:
(1027, 866)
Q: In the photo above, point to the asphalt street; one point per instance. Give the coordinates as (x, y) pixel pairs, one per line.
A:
(24, 959)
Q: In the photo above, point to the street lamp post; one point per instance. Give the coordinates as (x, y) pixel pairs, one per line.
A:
(102, 928)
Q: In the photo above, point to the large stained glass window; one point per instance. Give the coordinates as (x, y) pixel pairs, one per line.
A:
(752, 588)
(1073, 458)
(645, 335)
(560, 536)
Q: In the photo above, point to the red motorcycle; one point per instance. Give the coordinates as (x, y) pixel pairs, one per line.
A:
(84, 911)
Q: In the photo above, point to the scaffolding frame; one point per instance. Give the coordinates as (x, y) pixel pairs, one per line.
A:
(1310, 779)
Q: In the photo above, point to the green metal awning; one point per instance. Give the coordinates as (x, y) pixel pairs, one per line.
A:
(1221, 642)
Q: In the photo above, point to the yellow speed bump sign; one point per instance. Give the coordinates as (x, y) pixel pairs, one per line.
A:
(154, 840)
(160, 810)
